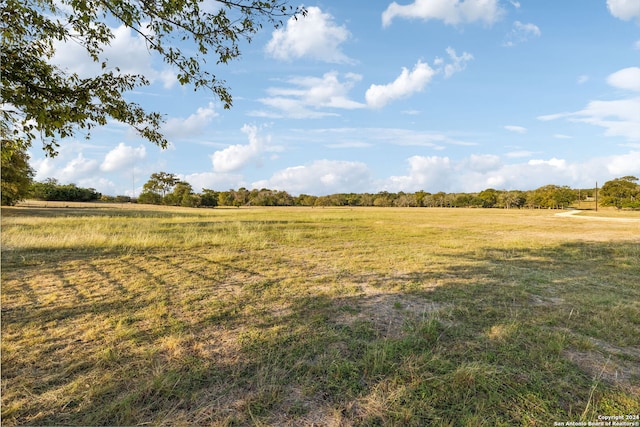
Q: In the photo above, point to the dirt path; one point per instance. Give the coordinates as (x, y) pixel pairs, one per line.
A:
(573, 214)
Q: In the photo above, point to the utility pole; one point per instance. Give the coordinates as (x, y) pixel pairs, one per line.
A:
(133, 180)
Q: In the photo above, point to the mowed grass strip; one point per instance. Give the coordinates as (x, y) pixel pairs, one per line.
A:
(296, 316)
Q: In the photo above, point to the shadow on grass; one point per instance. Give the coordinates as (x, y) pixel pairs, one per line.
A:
(499, 336)
(106, 211)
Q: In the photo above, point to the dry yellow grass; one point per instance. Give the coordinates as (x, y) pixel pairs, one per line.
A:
(292, 316)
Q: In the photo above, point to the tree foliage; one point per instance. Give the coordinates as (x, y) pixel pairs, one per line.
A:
(16, 172)
(489, 197)
(621, 192)
(209, 198)
(160, 183)
(43, 100)
(182, 195)
(552, 196)
(51, 190)
(167, 189)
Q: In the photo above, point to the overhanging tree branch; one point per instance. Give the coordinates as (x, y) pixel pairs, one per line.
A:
(49, 101)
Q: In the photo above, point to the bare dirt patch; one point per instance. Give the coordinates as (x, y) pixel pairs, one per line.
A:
(576, 214)
(608, 368)
(615, 365)
(546, 301)
(388, 311)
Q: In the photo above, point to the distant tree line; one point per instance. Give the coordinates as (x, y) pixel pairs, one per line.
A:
(167, 189)
(51, 190)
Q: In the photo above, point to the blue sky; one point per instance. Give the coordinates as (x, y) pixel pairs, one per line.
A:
(434, 95)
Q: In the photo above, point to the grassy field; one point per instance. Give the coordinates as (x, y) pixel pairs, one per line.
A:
(118, 315)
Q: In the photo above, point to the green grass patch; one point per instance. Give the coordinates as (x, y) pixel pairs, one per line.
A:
(296, 316)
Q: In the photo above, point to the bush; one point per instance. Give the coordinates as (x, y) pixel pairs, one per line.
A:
(50, 190)
(150, 198)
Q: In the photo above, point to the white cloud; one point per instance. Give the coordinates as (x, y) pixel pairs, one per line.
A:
(459, 62)
(515, 4)
(209, 6)
(288, 107)
(315, 36)
(122, 156)
(308, 95)
(214, 181)
(349, 144)
(521, 33)
(452, 12)
(482, 162)
(620, 117)
(75, 164)
(516, 129)
(381, 135)
(582, 79)
(322, 177)
(528, 29)
(102, 185)
(525, 176)
(627, 78)
(624, 9)
(478, 172)
(44, 168)
(65, 170)
(561, 136)
(518, 154)
(237, 156)
(623, 164)
(636, 45)
(555, 116)
(559, 163)
(195, 124)
(425, 172)
(408, 83)
(329, 91)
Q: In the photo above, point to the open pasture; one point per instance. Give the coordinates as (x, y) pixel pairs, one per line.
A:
(300, 316)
